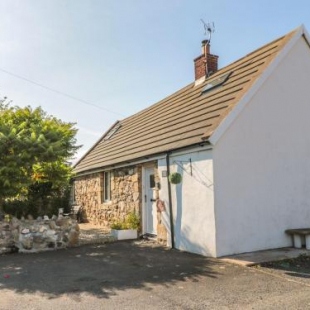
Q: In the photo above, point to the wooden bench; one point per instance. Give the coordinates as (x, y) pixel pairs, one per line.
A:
(298, 235)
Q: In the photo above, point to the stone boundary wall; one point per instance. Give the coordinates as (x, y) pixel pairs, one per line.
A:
(126, 195)
(38, 235)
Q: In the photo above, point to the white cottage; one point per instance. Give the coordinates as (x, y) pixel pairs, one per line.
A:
(238, 136)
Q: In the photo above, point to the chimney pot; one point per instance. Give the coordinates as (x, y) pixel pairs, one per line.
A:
(205, 47)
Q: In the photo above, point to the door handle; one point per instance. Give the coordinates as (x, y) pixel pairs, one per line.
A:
(153, 200)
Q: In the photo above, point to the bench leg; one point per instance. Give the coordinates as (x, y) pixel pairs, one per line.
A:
(308, 242)
(297, 241)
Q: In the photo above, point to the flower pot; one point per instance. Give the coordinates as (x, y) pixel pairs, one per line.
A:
(124, 234)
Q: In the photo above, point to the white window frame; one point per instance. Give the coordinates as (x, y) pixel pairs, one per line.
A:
(106, 187)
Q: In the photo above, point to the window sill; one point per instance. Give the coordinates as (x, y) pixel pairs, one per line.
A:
(109, 202)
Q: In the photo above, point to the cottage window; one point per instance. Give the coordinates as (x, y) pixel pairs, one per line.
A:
(106, 187)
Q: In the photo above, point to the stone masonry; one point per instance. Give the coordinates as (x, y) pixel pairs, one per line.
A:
(125, 195)
(38, 235)
(87, 193)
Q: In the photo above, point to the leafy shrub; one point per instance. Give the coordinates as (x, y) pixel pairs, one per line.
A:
(132, 221)
(119, 225)
(37, 203)
(16, 208)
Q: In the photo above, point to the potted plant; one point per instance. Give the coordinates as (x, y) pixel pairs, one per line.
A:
(127, 229)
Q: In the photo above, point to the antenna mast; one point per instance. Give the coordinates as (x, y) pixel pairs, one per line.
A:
(209, 29)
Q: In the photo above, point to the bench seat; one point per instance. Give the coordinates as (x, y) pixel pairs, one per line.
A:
(297, 236)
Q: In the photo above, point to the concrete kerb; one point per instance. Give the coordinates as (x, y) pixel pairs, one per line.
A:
(259, 257)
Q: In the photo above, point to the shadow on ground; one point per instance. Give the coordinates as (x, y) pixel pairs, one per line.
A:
(101, 270)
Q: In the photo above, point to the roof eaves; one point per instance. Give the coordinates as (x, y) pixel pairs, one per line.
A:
(140, 160)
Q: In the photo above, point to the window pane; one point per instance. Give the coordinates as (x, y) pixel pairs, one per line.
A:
(105, 183)
(107, 186)
(152, 181)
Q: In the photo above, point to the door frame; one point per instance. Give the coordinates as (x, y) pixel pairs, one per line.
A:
(144, 195)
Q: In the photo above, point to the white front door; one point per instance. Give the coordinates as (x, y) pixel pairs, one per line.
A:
(150, 210)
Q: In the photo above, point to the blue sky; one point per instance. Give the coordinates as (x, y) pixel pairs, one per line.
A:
(124, 55)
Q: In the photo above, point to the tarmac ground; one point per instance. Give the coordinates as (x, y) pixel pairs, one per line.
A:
(143, 275)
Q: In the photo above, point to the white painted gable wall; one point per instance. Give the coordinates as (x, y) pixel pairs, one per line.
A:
(262, 162)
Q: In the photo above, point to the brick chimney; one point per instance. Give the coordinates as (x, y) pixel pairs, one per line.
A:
(205, 64)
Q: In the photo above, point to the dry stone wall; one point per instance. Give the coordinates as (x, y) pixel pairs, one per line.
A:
(38, 235)
(125, 195)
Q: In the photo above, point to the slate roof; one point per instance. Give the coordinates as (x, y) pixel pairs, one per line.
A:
(185, 118)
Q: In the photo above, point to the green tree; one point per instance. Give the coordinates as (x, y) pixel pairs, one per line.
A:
(34, 149)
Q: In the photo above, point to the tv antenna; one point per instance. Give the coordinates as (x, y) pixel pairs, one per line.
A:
(209, 28)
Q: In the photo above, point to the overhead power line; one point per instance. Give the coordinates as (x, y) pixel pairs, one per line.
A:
(59, 92)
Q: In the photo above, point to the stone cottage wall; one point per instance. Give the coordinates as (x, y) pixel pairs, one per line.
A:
(125, 195)
(87, 194)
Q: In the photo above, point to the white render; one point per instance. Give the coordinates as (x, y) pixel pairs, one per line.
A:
(262, 162)
(260, 166)
(192, 201)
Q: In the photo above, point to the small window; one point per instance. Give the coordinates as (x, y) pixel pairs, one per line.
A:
(216, 83)
(106, 187)
(152, 181)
